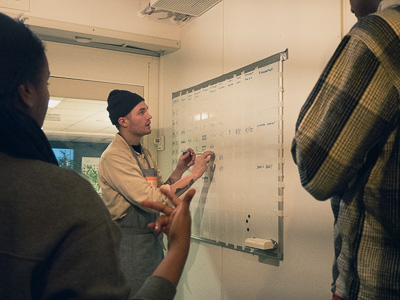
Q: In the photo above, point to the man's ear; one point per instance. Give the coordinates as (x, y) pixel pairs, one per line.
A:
(123, 122)
(26, 92)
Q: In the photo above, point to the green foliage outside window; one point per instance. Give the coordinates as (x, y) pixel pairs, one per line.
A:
(64, 161)
(91, 174)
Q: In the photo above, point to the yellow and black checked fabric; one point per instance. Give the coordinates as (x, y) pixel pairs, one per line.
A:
(347, 148)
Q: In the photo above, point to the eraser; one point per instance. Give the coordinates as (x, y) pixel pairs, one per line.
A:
(258, 243)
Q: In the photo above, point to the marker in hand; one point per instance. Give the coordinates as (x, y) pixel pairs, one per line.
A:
(197, 153)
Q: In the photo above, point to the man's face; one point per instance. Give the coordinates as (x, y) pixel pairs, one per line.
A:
(139, 120)
(362, 8)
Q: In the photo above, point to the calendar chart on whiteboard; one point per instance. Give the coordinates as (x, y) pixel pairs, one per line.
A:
(238, 116)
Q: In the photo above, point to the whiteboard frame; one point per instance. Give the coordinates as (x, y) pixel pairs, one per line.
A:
(277, 252)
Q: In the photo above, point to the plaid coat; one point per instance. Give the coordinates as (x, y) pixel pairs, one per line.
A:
(347, 148)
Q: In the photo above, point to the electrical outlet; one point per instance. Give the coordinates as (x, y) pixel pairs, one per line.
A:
(16, 4)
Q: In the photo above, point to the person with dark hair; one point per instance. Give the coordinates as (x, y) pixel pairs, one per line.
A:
(57, 239)
(128, 176)
(347, 148)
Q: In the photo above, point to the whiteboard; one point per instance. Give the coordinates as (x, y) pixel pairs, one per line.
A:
(239, 116)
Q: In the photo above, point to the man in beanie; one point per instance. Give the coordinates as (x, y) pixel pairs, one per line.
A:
(128, 176)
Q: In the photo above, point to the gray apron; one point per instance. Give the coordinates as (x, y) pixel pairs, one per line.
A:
(141, 250)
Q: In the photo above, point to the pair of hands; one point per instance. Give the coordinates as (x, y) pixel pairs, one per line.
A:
(174, 222)
(189, 159)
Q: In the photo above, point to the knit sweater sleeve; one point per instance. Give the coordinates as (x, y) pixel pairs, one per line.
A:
(156, 288)
(346, 115)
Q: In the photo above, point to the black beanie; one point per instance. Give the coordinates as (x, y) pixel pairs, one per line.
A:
(120, 103)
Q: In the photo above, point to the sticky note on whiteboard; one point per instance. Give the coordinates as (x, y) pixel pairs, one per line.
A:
(258, 243)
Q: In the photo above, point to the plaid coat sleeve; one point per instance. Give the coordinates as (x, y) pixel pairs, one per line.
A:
(352, 109)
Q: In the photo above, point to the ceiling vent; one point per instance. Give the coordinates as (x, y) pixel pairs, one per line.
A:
(194, 8)
(179, 10)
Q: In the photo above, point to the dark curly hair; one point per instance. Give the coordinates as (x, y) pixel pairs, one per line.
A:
(22, 57)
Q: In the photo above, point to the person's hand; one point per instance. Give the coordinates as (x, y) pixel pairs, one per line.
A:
(186, 160)
(175, 222)
(200, 164)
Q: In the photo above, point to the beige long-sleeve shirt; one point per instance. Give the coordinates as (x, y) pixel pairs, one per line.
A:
(122, 181)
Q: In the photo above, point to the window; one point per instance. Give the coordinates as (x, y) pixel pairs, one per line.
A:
(65, 157)
(77, 123)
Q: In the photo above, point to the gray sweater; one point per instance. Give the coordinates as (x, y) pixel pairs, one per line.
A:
(57, 239)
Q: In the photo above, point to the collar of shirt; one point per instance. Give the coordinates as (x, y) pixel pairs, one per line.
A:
(387, 4)
(137, 148)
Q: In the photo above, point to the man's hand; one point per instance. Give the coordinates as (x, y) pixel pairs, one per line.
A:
(186, 160)
(175, 222)
(200, 164)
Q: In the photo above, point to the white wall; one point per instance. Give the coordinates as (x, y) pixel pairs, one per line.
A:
(231, 35)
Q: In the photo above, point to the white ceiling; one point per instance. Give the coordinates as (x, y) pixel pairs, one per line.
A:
(79, 120)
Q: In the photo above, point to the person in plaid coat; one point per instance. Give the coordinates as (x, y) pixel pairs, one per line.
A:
(347, 149)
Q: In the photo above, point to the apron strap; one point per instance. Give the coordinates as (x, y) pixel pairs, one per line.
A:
(137, 160)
